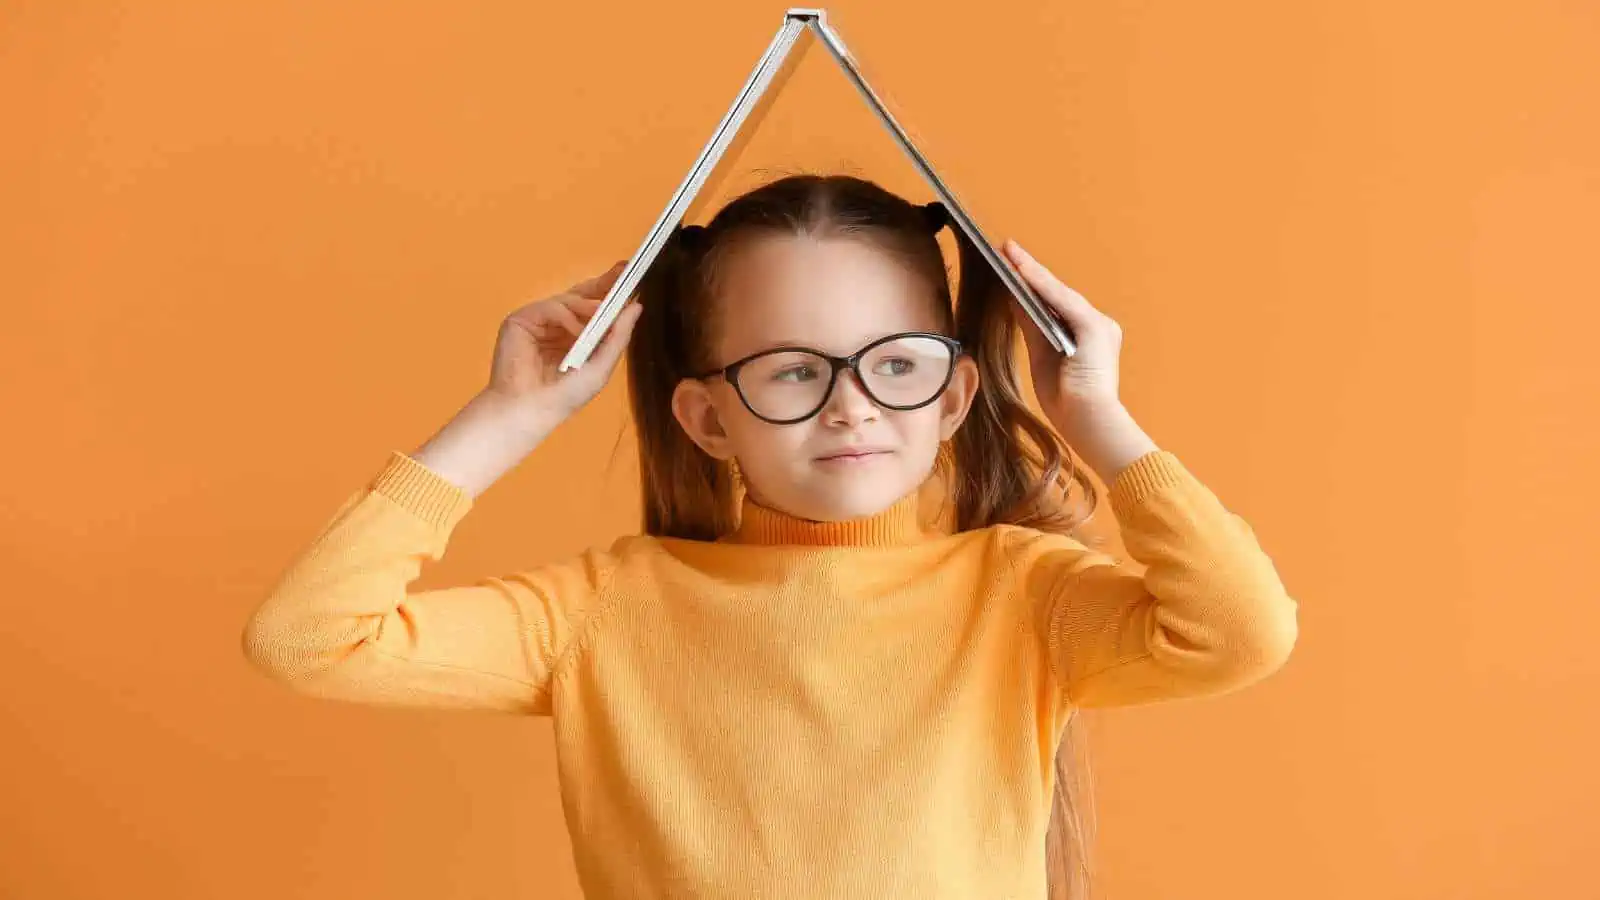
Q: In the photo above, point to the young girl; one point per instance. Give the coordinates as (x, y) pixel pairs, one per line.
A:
(843, 657)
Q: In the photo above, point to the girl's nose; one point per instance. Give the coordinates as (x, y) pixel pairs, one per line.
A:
(849, 403)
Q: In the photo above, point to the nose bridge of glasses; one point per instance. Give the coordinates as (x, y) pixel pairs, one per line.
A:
(848, 380)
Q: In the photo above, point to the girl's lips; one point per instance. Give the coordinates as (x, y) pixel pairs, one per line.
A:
(853, 456)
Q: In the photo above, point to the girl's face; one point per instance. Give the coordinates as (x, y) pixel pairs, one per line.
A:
(854, 457)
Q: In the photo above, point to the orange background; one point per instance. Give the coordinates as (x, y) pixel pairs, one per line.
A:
(247, 249)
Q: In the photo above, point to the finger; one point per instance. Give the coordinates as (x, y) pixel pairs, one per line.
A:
(583, 306)
(588, 284)
(615, 343)
(1073, 307)
(599, 284)
(566, 318)
(538, 316)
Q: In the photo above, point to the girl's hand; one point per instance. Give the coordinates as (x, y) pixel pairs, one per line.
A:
(1079, 394)
(528, 395)
(1088, 378)
(535, 338)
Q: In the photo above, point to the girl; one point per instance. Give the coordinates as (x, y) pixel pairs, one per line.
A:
(844, 654)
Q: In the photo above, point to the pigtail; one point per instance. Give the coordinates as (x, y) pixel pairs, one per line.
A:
(686, 493)
(1011, 465)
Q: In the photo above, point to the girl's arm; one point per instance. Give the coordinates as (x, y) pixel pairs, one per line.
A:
(1208, 615)
(343, 622)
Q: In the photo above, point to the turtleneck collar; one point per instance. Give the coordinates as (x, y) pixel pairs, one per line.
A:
(907, 521)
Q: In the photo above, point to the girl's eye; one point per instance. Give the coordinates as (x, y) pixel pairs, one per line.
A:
(894, 366)
(795, 373)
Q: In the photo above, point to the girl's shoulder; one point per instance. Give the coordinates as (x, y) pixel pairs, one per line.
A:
(1025, 545)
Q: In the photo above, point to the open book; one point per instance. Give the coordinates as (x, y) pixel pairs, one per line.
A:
(801, 27)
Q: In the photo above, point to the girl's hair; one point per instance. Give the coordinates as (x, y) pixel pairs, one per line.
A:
(1005, 465)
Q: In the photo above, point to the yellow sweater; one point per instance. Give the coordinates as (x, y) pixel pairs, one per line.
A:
(863, 709)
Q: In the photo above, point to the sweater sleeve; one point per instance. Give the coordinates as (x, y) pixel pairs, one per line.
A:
(1208, 614)
(343, 622)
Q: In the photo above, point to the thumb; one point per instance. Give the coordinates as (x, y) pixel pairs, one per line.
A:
(611, 347)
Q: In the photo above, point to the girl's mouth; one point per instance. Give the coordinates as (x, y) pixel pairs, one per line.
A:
(853, 456)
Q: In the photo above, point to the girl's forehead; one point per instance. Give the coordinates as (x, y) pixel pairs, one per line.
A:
(834, 294)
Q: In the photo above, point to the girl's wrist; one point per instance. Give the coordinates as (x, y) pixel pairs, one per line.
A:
(524, 419)
(486, 439)
(1106, 437)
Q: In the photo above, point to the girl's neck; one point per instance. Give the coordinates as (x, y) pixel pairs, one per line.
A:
(909, 520)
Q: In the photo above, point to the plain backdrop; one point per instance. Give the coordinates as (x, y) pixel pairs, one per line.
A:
(248, 249)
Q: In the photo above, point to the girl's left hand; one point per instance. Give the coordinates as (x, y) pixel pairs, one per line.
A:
(1079, 393)
(1069, 387)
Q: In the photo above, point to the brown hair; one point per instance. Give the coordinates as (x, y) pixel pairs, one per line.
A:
(1006, 465)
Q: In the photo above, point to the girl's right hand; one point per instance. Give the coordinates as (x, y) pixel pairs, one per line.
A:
(535, 338)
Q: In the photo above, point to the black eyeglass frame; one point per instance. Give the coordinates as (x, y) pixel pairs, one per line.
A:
(730, 373)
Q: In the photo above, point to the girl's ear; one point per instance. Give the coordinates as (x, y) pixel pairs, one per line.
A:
(956, 401)
(696, 412)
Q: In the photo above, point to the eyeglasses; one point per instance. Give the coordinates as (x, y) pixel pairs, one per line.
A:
(786, 385)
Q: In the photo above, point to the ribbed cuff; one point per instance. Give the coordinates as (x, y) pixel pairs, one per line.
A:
(1144, 476)
(423, 492)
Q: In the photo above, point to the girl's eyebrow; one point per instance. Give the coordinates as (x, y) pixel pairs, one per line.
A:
(784, 342)
(807, 345)
(780, 344)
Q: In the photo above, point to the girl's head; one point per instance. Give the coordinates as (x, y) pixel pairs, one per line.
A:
(780, 313)
(739, 361)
